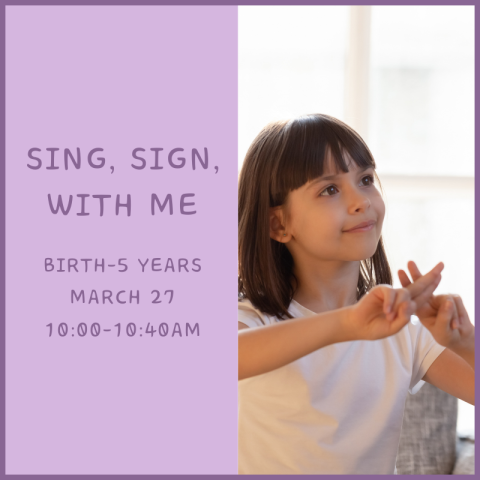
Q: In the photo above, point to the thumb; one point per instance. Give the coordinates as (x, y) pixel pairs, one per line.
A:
(446, 312)
(439, 300)
(405, 311)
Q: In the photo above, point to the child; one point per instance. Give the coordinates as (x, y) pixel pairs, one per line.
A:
(327, 351)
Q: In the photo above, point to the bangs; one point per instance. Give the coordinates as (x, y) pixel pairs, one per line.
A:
(310, 143)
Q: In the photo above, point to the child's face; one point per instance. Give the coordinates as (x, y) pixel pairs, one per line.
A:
(321, 211)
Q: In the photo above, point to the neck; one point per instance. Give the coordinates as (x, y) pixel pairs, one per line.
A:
(326, 285)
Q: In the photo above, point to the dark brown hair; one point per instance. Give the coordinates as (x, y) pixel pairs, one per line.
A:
(284, 156)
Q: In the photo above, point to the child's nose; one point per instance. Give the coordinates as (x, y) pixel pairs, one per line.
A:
(359, 202)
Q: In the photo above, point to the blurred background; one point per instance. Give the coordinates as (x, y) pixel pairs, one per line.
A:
(401, 76)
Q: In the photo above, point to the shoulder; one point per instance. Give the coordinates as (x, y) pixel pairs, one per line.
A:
(425, 351)
(251, 316)
(417, 340)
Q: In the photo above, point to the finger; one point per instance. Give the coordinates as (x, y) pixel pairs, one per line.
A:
(404, 280)
(450, 305)
(402, 295)
(405, 312)
(427, 293)
(461, 310)
(455, 315)
(415, 272)
(439, 300)
(388, 299)
(413, 269)
(446, 313)
(386, 295)
(419, 285)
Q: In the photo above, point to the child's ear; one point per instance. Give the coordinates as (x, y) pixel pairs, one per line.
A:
(277, 228)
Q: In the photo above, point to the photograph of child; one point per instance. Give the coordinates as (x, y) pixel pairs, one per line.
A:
(356, 239)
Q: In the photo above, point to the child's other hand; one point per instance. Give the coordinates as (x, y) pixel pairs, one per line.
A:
(445, 316)
(384, 311)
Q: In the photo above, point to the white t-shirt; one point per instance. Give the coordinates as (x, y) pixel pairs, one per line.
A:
(338, 410)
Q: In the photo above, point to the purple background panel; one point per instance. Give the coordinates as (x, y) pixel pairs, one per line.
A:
(119, 78)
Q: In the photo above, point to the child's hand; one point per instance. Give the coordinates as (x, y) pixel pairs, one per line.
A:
(384, 311)
(444, 315)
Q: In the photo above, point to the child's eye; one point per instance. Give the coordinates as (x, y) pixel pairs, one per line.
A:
(328, 191)
(370, 180)
(332, 189)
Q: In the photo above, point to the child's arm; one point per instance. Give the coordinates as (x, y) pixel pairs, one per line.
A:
(382, 312)
(263, 349)
(452, 374)
(447, 320)
(467, 352)
(454, 369)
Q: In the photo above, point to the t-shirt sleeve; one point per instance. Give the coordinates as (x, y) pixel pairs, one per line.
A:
(426, 350)
(249, 315)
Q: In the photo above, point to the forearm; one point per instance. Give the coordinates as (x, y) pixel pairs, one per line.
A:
(261, 350)
(467, 350)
